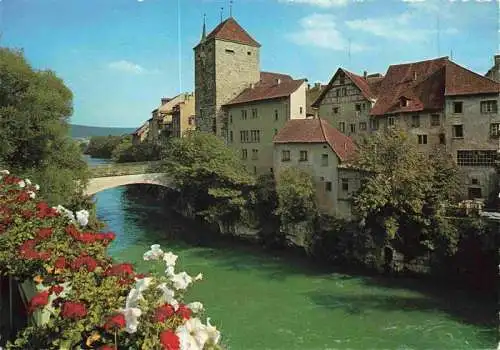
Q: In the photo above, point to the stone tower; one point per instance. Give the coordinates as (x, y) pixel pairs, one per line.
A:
(227, 61)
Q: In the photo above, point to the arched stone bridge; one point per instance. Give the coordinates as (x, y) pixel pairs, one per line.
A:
(108, 176)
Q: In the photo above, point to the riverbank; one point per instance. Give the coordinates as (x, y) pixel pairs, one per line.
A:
(277, 300)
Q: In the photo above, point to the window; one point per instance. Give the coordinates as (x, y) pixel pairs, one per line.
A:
(285, 156)
(230, 119)
(230, 51)
(403, 102)
(358, 107)
(344, 91)
(275, 131)
(191, 121)
(458, 131)
(457, 107)
(353, 128)
(255, 170)
(244, 154)
(243, 114)
(337, 92)
(476, 158)
(475, 192)
(335, 110)
(255, 136)
(275, 114)
(249, 53)
(214, 125)
(271, 170)
(254, 113)
(342, 126)
(373, 124)
(244, 136)
(303, 156)
(362, 126)
(474, 182)
(489, 106)
(494, 130)
(231, 136)
(255, 154)
(324, 160)
(300, 110)
(422, 139)
(328, 186)
(435, 120)
(415, 121)
(390, 121)
(341, 79)
(442, 139)
(345, 184)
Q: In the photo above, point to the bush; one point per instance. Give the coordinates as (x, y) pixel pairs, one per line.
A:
(83, 299)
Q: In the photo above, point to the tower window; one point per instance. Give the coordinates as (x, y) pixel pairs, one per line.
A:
(249, 53)
(230, 51)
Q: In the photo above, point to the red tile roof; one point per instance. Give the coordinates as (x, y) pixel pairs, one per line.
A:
(267, 89)
(270, 77)
(461, 81)
(369, 87)
(230, 30)
(316, 131)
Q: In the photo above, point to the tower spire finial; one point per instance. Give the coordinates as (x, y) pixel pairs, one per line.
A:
(221, 13)
(231, 8)
(204, 31)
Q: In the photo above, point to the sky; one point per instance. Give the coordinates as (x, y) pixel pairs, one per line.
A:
(119, 57)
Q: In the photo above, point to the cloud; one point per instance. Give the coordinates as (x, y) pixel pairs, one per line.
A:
(319, 3)
(126, 66)
(320, 30)
(403, 27)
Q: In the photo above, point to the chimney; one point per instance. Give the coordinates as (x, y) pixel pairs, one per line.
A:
(415, 75)
(278, 81)
(365, 74)
(308, 86)
(317, 85)
(164, 100)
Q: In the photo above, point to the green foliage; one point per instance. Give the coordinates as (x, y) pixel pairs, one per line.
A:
(34, 110)
(143, 152)
(209, 174)
(103, 146)
(404, 193)
(296, 196)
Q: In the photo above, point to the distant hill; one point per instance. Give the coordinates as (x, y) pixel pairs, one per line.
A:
(82, 131)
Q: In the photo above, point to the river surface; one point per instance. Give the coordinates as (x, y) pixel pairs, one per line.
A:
(262, 300)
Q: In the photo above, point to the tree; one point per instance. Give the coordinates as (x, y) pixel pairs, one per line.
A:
(402, 199)
(34, 110)
(103, 146)
(210, 176)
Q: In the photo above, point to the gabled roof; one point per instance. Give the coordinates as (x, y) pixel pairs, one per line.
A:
(316, 131)
(368, 87)
(230, 30)
(268, 88)
(461, 81)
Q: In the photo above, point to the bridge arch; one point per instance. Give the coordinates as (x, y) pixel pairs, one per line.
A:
(99, 184)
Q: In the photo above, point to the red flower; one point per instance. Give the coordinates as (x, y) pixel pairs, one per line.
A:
(44, 233)
(23, 197)
(84, 261)
(164, 312)
(115, 322)
(27, 214)
(60, 262)
(39, 300)
(184, 311)
(43, 211)
(120, 270)
(56, 289)
(73, 310)
(169, 340)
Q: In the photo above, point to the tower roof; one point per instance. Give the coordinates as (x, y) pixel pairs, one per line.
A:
(230, 30)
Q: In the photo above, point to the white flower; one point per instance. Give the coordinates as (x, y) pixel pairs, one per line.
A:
(154, 254)
(21, 184)
(143, 283)
(82, 217)
(37, 187)
(32, 194)
(4, 172)
(168, 296)
(192, 334)
(213, 333)
(170, 258)
(196, 306)
(169, 271)
(198, 277)
(181, 280)
(28, 181)
(133, 298)
(68, 213)
(131, 318)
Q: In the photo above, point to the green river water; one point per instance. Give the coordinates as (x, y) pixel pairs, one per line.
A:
(264, 300)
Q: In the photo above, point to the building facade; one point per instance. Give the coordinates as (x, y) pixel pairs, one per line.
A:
(316, 147)
(183, 117)
(256, 115)
(494, 72)
(226, 62)
(441, 104)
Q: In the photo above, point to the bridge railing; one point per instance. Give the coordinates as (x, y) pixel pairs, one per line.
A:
(121, 169)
